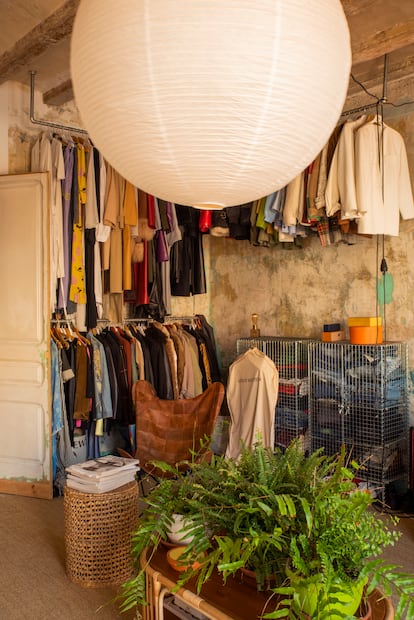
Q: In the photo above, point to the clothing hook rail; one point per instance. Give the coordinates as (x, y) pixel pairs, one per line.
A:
(37, 121)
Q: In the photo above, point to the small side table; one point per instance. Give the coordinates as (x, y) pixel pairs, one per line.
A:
(234, 601)
(98, 528)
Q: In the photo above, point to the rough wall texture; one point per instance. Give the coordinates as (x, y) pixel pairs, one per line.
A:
(295, 292)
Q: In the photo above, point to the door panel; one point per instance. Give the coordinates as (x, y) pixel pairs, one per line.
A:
(25, 411)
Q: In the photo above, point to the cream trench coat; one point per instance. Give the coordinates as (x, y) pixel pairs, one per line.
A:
(381, 197)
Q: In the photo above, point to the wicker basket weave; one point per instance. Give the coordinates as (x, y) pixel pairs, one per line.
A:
(98, 528)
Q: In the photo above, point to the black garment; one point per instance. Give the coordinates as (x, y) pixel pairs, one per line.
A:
(113, 381)
(91, 312)
(239, 221)
(219, 223)
(123, 409)
(162, 380)
(162, 209)
(187, 257)
(210, 342)
(69, 388)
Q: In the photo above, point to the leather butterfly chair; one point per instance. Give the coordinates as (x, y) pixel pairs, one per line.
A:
(170, 430)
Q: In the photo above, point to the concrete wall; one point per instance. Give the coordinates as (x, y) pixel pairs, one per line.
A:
(294, 291)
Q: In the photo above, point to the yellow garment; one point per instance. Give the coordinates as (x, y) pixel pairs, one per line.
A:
(77, 291)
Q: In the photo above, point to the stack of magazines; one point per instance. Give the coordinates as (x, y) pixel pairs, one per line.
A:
(105, 473)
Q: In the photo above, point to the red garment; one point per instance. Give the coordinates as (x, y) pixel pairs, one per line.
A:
(151, 210)
(139, 293)
(204, 223)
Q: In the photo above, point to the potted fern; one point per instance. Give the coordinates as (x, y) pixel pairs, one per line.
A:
(298, 521)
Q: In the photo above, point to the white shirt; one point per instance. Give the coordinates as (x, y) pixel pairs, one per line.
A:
(383, 191)
(47, 156)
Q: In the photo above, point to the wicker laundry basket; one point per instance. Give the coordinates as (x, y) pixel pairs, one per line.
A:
(98, 528)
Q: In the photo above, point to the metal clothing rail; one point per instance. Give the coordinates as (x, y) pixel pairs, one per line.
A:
(174, 319)
(362, 108)
(37, 121)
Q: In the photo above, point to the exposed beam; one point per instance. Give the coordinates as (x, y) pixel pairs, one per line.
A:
(383, 42)
(59, 94)
(53, 29)
(356, 7)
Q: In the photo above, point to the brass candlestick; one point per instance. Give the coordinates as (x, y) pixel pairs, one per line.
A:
(255, 331)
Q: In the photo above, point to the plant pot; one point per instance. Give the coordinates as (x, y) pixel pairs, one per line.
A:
(348, 595)
(249, 577)
(177, 532)
(364, 612)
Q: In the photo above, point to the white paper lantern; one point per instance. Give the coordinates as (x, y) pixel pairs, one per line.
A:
(210, 102)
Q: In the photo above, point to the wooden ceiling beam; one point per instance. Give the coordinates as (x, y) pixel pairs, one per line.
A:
(52, 30)
(383, 42)
(59, 94)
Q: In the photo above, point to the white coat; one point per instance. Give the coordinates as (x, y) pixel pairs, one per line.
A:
(340, 193)
(383, 191)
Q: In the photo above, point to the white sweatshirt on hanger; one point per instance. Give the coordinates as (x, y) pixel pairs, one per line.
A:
(252, 391)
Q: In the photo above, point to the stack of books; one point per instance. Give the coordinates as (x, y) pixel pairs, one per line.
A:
(103, 474)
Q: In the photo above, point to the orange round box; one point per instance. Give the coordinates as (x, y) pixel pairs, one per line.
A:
(361, 334)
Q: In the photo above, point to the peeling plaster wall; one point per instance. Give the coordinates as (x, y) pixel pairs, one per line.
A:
(22, 132)
(296, 291)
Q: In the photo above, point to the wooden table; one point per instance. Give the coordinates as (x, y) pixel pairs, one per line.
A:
(234, 601)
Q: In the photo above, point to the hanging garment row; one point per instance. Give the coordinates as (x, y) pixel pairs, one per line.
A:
(93, 375)
(358, 184)
(111, 242)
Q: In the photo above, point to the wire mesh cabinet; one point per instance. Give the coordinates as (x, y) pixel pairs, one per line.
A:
(359, 398)
(291, 359)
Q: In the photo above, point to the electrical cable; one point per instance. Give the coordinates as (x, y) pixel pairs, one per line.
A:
(378, 100)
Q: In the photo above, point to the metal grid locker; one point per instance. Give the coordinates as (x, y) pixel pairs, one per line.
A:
(358, 397)
(291, 359)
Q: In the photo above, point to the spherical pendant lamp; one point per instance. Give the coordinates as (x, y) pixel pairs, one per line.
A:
(210, 103)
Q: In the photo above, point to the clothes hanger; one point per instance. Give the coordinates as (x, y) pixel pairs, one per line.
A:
(55, 339)
(60, 337)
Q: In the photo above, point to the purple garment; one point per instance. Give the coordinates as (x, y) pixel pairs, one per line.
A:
(68, 156)
(162, 250)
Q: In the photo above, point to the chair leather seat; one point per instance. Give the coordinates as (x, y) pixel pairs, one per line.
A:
(170, 430)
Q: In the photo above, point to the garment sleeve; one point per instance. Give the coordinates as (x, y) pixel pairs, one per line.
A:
(406, 195)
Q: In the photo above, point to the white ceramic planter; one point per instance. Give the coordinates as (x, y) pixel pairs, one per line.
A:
(177, 533)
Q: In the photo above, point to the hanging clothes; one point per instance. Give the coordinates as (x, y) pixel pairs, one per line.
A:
(187, 258)
(340, 193)
(383, 185)
(77, 290)
(252, 391)
(67, 224)
(47, 156)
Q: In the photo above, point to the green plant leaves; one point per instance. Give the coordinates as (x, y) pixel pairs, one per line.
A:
(276, 513)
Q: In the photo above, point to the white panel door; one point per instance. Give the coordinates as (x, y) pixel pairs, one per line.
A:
(25, 411)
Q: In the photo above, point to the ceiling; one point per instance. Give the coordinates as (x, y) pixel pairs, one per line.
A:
(35, 36)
